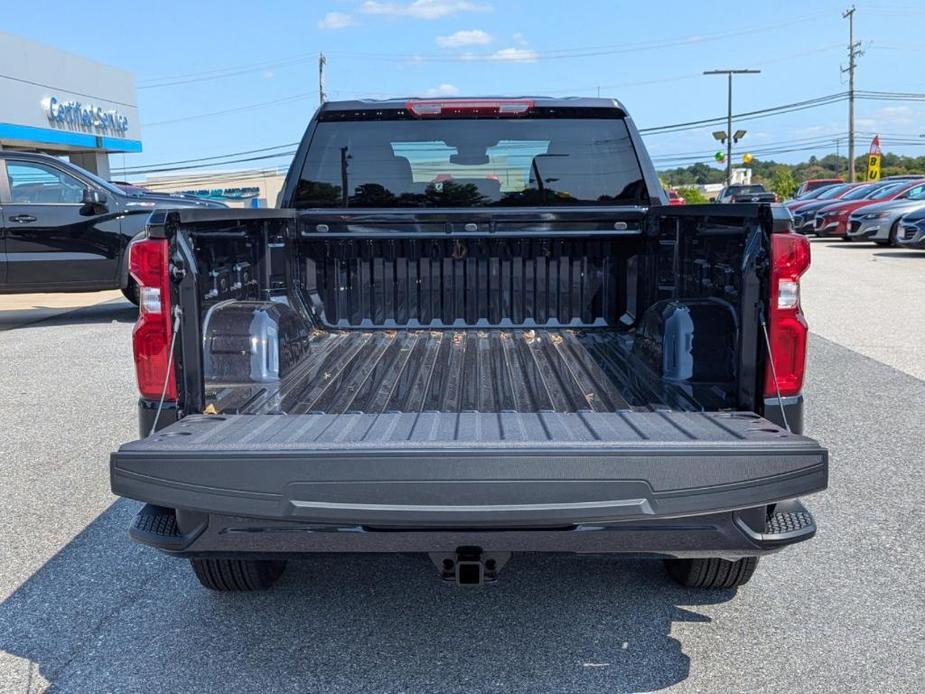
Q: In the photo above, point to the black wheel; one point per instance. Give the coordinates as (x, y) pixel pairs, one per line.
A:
(237, 574)
(711, 573)
(894, 230)
(130, 292)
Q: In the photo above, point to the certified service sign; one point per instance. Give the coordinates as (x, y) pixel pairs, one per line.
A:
(76, 114)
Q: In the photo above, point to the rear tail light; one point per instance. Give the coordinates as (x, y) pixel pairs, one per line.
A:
(787, 329)
(437, 108)
(153, 333)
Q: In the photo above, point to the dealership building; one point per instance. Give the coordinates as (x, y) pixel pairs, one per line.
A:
(66, 105)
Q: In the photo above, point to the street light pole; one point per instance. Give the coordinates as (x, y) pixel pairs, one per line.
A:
(729, 74)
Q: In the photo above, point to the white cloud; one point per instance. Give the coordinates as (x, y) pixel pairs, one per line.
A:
(472, 37)
(423, 9)
(335, 20)
(443, 90)
(515, 55)
(896, 115)
(520, 39)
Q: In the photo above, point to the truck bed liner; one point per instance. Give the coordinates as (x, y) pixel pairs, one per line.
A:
(455, 371)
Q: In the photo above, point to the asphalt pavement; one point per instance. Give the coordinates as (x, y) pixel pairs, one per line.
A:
(84, 610)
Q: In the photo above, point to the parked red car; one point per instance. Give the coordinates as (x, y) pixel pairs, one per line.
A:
(832, 220)
(813, 183)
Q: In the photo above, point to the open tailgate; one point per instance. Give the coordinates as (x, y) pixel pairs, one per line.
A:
(469, 469)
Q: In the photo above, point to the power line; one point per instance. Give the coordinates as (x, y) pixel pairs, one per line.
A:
(238, 109)
(203, 166)
(656, 130)
(139, 169)
(773, 110)
(222, 73)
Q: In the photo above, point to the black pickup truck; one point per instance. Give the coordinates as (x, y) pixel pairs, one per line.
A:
(474, 328)
(63, 229)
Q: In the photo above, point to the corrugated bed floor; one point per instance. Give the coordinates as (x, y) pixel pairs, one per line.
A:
(454, 371)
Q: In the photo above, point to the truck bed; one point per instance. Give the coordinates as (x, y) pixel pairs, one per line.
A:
(450, 371)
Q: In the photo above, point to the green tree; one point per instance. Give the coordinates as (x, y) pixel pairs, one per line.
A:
(692, 196)
(783, 183)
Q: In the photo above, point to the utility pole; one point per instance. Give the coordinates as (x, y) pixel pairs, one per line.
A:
(729, 133)
(322, 96)
(854, 52)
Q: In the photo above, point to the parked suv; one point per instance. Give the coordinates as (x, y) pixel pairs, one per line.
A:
(62, 229)
(474, 328)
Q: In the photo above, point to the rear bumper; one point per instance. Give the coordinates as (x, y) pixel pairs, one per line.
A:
(730, 535)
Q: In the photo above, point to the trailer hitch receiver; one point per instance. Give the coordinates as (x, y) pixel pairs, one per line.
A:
(469, 566)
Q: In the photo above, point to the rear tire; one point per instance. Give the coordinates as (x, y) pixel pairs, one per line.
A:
(130, 292)
(234, 575)
(711, 573)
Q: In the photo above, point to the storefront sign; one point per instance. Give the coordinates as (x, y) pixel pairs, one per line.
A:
(81, 115)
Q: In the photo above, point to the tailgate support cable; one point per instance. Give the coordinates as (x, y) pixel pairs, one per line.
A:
(177, 314)
(767, 341)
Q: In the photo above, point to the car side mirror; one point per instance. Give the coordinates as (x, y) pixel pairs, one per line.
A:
(94, 201)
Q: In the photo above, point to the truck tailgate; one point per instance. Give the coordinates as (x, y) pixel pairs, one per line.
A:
(469, 469)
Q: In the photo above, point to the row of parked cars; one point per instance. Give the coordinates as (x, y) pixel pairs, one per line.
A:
(889, 212)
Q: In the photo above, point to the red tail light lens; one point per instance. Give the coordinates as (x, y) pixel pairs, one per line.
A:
(151, 338)
(787, 329)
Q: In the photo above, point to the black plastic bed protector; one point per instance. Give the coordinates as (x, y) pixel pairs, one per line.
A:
(471, 469)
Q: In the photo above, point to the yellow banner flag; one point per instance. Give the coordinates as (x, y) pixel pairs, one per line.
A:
(873, 160)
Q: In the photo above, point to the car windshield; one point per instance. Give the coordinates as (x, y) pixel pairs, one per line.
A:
(745, 190)
(886, 191)
(832, 192)
(817, 192)
(471, 163)
(102, 183)
(860, 192)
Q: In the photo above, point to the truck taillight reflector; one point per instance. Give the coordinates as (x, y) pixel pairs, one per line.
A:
(787, 329)
(436, 108)
(151, 338)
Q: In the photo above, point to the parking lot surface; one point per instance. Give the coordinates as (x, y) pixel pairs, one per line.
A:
(84, 610)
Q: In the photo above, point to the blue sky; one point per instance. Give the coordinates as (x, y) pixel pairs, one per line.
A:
(259, 61)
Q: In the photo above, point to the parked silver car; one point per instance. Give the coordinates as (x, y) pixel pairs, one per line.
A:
(880, 222)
